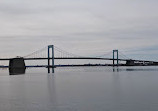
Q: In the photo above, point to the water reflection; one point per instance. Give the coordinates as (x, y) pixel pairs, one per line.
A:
(106, 69)
(17, 71)
(88, 89)
(51, 86)
(115, 69)
(119, 69)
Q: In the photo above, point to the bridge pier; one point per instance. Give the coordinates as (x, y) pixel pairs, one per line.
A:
(114, 57)
(51, 57)
(17, 66)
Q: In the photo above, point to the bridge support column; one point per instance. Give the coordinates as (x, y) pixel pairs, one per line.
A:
(114, 57)
(17, 66)
(51, 57)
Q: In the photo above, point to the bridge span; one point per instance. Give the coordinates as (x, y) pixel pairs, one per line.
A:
(50, 56)
(87, 58)
(96, 58)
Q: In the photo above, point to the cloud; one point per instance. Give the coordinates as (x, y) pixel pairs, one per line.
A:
(89, 26)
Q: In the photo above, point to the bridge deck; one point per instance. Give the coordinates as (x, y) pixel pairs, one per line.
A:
(90, 58)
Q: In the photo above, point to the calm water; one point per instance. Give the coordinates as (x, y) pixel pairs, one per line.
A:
(81, 89)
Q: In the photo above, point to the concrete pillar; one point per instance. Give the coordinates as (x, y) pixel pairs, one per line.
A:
(17, 66)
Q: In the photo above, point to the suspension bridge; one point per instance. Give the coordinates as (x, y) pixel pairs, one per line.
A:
(52, 53)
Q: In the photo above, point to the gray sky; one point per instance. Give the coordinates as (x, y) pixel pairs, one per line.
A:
(83, 27)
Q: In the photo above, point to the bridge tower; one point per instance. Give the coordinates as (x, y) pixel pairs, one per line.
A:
(51, 57)
(114, 57)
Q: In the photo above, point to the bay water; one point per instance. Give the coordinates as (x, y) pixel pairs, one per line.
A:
(80, 89)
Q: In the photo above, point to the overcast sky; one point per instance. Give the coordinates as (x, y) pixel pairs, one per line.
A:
(83, 27)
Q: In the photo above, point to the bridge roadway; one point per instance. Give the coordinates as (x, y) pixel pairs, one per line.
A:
(90, 58)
